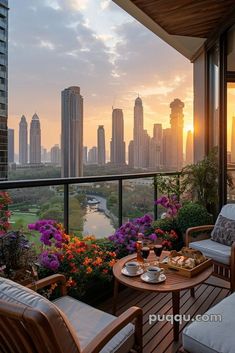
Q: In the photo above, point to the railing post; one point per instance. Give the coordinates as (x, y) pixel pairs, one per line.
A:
(66, 208)
(120, 202)
(155, 198)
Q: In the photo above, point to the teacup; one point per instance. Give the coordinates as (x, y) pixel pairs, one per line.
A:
(154, 272)
(132, 267)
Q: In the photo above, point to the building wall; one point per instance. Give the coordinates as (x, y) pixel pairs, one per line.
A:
(199, 84)
(11, 146)
(3, 88)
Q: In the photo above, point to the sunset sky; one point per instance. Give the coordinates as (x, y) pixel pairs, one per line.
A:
(54, 44)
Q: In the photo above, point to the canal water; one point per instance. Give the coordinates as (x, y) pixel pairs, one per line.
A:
(96, 222)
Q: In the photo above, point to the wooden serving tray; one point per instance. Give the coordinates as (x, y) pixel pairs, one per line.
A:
(188, 272)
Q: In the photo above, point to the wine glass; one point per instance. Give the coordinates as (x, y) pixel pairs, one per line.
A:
(145, 251)
(158, 250)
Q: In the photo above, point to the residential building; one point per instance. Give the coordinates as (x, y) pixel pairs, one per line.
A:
(131, 154)
(138, 133)
(11, 146)
(189, 148)
(155, 147)
(3, 88)
(167, 148)
(35, 140)
(85, 150)
(177, 126)
(117, 145)
(23, 141)
(56, 155)
(93, 155)
(101, 145)
(71, 132)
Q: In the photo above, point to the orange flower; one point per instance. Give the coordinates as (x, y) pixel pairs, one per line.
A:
(98, 261)
(70, 283)
(112, 262)
(87, 261)
(88, 270)
(105, 271)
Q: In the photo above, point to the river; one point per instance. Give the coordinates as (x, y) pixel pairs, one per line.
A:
(96, 222)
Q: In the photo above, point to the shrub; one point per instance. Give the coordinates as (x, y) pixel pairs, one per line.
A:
(192, 215)
(166, 224)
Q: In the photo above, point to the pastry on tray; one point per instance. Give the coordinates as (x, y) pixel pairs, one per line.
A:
(187, 258)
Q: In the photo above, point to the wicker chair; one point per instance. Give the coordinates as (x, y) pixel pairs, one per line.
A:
(29, 323)
(223, 256)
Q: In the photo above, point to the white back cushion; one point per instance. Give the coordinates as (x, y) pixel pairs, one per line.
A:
(228, 211)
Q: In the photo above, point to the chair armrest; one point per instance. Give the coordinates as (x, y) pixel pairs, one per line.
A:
(44, 282)
(133, 313)
(189, 231)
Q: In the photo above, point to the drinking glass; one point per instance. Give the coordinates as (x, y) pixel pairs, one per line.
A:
(145, 251)
(158, 250)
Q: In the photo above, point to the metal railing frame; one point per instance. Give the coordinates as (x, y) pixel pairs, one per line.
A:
(66, 182)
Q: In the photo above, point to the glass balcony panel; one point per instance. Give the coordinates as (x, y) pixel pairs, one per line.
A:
(138, 198)
(31, 204)
(93, 209)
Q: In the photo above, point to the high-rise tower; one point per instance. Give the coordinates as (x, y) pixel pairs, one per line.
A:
(23, 141)
(138, 132)
(35, 140)
(71, 132)
(3, 88)
(11, 145)
(177, 125)
(117, 144)
(101, 145)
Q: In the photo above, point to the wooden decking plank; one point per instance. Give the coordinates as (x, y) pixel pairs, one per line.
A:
(194, 310)
(167, 331)
(162, 329)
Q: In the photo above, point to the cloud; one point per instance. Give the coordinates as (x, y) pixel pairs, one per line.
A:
(46, 44)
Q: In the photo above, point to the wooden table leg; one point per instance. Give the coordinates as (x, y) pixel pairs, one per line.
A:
(192, 291)
(115, 295)
(176, 311)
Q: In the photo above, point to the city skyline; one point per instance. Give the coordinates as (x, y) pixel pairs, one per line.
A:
(90, 57)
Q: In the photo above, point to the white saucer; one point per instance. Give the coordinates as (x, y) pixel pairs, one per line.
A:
(126, 273)
(146, 278)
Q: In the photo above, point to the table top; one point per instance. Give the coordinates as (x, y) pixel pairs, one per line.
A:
(173, 282)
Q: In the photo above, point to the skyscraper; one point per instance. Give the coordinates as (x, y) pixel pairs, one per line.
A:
(101, 145)
(23, 141)
(177, 125)
(138, 132)
(145, 150)
(85, 154)
(11, 146)
(189, 148)
(55, 155)
(117, 144)
(155, 151)
(92, 155)
(233, 141)
(3, 88)
(131, 154)
(35, 140)
(167, 148)
(71, 132)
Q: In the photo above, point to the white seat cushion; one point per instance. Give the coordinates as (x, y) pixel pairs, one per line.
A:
(88, 322)
(213, 337)
(216, 251)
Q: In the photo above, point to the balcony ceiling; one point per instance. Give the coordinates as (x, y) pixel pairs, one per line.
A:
(184, 24)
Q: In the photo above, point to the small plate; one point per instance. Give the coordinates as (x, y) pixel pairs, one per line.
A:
(126, 273)
(146, 278)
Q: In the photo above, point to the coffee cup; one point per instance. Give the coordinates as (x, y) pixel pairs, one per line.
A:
(154, 273)
(132, 267)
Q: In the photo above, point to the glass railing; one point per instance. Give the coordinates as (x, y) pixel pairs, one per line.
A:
(88, 205)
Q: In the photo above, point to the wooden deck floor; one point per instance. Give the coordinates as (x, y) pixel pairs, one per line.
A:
(158, 337)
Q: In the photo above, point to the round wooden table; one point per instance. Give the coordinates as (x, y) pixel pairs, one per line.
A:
(174, 283)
